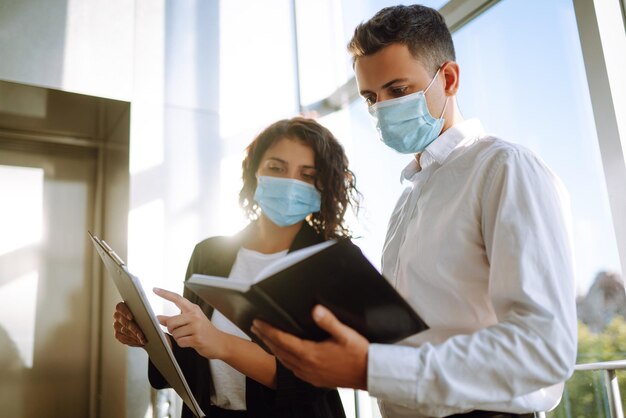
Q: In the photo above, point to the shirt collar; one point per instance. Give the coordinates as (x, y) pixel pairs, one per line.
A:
(460, 135)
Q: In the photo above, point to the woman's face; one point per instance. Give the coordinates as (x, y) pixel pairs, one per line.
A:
(288, 158)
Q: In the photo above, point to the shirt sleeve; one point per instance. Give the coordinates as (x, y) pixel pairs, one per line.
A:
(526, 233)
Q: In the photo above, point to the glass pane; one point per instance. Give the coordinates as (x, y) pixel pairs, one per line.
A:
(321, 52)
(244, 108)
(586, 396)
(257, 81)
(324, 28)
(532, 89)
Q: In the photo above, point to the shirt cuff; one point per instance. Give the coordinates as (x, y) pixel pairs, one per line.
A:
(392, 373)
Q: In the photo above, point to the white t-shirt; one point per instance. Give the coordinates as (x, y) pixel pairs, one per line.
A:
(229, 384)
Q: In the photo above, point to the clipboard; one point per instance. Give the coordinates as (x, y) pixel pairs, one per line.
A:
(157, 346)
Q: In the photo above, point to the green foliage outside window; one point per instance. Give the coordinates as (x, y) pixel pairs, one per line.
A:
(585, 395)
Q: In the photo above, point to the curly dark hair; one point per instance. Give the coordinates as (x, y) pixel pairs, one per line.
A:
(422, 29)
(334, 180)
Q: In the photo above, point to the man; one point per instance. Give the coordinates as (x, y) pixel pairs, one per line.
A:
(478, 245)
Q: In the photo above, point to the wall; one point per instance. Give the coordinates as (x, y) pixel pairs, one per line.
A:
(203, 77)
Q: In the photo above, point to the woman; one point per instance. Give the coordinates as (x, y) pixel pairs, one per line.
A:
(296, 190)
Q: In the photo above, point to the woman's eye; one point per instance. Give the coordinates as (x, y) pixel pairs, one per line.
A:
(276, 169)
(370, 100)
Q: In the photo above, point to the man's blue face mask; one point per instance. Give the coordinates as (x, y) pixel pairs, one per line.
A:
(405, 124)
(286, 201)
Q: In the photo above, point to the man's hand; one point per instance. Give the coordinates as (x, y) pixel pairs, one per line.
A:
(192, 328)
(340, 361)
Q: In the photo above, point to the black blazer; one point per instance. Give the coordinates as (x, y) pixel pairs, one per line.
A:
(293, 397)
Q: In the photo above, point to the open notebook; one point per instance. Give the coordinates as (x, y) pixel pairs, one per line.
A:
(157, 346)
(334, 274)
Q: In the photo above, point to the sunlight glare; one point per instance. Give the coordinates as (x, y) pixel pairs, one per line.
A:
(21, 211)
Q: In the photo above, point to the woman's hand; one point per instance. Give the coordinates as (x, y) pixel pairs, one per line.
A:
(192, 328)
(126, 329)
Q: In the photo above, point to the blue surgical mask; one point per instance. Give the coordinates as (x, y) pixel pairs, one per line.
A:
(286, 201)
(405, 124)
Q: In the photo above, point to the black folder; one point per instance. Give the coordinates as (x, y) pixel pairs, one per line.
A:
(335, 274)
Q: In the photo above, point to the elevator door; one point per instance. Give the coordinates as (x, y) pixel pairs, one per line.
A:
(46, 207)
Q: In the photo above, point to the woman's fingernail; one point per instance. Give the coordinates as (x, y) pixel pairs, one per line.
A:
(318, 312)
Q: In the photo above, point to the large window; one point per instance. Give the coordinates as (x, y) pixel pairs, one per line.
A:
(528, 85)
(532, 90)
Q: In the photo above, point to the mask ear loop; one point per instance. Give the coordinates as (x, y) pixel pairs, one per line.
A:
(433, 80)
(445, 105)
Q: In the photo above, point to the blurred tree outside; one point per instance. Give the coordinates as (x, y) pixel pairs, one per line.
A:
(585, 395)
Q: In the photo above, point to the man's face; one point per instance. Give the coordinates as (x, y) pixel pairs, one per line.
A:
(393, 72)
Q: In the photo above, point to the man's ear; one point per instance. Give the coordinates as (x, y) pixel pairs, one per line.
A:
(450, 71)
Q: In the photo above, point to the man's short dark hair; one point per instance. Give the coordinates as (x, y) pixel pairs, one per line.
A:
(422, 29)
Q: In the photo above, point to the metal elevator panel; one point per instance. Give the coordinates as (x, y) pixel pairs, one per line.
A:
(45, 284)
(63, 171)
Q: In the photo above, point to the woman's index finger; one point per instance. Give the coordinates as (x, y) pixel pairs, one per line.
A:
(183, 304)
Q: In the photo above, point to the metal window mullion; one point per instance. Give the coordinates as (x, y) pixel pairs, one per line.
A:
(612, 389)
(460, 12)
(296, 55)
(596, 59)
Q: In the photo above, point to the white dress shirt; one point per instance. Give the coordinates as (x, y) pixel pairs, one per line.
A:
(479, 244)
(228, 383)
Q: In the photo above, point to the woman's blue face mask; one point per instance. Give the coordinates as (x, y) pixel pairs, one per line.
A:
(286, 201)
(405, 124)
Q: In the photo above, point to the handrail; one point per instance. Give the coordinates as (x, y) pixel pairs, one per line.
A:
(602, 365)
(610, 382)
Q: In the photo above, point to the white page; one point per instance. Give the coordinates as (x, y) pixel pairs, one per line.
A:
(221, 282)
(291, 259)
(274, 267)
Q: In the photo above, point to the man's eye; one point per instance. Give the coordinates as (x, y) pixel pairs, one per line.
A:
(398, 91)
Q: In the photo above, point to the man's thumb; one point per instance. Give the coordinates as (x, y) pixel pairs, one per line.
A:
(327, 321)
